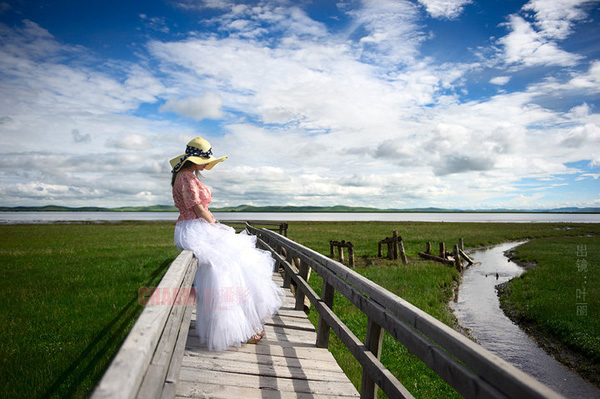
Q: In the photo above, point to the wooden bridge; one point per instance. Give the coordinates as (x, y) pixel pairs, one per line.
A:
(162, 357)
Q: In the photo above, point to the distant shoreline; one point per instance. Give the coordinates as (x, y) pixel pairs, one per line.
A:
(295, 209)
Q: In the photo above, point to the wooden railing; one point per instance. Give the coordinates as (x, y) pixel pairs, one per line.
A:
(148, 363)
(238, 225)
(470, 369)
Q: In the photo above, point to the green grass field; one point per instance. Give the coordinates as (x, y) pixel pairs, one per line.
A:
(68, 299)
(70, 292)
(559, 299)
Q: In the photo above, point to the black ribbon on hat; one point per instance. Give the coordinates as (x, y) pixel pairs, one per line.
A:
(192, 152)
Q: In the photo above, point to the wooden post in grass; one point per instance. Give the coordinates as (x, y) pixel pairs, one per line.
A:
(341, 245)
(395, 247)
(457, 260)
(402, 253)
(442, 250)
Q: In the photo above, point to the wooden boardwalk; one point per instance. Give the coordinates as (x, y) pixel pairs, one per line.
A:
(284, 364)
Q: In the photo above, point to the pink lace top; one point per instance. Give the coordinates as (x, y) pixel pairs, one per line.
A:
(187, 192)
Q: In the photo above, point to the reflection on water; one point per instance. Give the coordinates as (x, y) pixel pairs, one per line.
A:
(478, 309)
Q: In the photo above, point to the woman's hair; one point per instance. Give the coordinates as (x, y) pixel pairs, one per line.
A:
(186, 165)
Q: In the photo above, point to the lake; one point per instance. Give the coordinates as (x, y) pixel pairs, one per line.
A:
(65, 217)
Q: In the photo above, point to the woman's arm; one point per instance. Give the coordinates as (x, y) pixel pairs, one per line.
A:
(203, 213)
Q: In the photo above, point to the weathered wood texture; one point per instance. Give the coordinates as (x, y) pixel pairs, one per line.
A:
(473, 371)
(285, 364)
(147, 364)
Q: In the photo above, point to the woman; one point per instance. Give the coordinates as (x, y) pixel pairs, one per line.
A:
(234, 289)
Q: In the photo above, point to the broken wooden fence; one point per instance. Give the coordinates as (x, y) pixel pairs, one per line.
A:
(395, 246)
(340, 245)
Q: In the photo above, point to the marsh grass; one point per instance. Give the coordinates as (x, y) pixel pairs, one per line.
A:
(69, 298)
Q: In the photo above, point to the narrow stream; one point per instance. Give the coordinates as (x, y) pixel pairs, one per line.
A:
(478, 309)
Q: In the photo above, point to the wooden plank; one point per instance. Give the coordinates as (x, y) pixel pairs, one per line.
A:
(273, 349)
(296, 323)
(273, 333)
(289, 359)
(219, 364)
(202, 380)
(215, 391)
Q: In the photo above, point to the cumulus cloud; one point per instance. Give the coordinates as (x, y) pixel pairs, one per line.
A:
(588, 135)
(525, 46)
(392, 31)
(208, 106)
(500, 80)
(130, 142)
(449, 9)
(554, 19)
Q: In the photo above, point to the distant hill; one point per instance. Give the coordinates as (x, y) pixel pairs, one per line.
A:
(57, 208)
(286, 208)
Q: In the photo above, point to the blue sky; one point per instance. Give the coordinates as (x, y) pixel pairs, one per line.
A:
(387, 103)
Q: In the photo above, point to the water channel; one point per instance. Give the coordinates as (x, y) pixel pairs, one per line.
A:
(478, 309)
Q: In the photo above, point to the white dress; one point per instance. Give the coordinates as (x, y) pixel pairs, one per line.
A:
(235, 292)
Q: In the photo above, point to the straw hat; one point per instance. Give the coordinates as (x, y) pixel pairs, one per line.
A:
(199, 152)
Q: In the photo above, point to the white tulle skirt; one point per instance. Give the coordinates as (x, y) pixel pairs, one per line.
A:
(235, 292)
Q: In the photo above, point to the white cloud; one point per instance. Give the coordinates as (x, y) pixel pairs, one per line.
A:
(500, 80)
(449, 9)
(527, 47)
(130, 142)
(393, 33)
(198, 108)
(583, 136)
(554, 19)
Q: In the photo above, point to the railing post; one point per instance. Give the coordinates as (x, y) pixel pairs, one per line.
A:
(303, 273)
(323, 327)
(287, 275)
(373, 342)
(395, 244)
